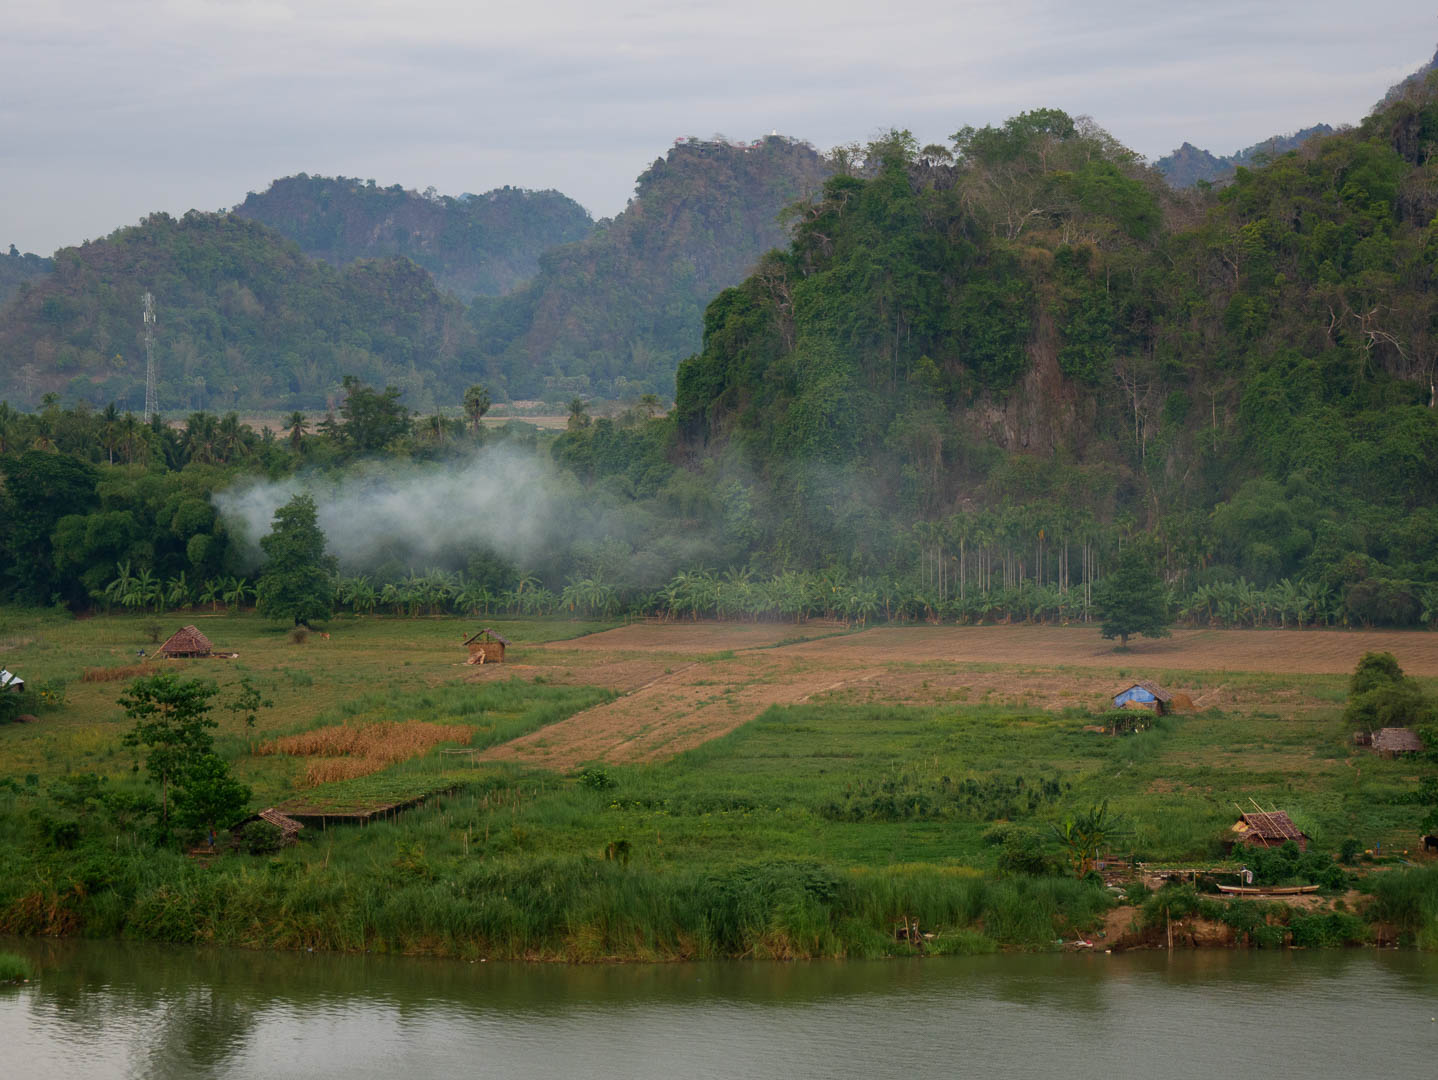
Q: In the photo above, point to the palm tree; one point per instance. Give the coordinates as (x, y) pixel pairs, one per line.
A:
(212, 593)
(297, 427)
(237, 591)
(476, 404)
(110, 430)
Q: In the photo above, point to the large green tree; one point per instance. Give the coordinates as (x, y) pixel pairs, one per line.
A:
(172, 724)
(1130, 601)
(297, 582)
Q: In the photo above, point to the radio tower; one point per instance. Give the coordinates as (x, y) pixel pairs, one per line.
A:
(151, 406)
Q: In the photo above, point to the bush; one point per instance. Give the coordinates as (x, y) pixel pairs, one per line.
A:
(1023, 853)
(1327, 930)
(597, 779)
(261, 838)
(299, 635)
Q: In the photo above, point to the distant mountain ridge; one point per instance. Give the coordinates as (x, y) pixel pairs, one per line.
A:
(16, 268)
(615, 313)
(1189, 164)
(474, 245)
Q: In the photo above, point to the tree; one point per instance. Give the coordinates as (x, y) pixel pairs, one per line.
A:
(372, 418)
(297, 581)
(1086, 836)
(1380, 695)
(1131, 600)
(578, 415)
(172, 723)
(207, 796)
(296, 425)
(476, 404)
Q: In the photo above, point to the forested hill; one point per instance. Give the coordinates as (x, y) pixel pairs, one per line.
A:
(1188, 165)
(1045, 332)
(615, 313)
(15, 268)
(246, 320)
(474, 245)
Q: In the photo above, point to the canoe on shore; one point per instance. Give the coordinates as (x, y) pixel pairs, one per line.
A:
(1285, 890)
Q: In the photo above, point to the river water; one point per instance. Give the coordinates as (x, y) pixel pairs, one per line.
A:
(103, 1010)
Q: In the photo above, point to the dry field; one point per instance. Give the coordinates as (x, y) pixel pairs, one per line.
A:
(686, 683)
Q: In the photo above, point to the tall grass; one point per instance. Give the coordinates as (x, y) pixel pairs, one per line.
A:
(359, 750)
(14, 968)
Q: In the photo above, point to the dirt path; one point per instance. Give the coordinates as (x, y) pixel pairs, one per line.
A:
(686, 683)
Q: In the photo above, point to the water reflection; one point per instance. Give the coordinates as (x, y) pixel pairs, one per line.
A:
(120, 1010)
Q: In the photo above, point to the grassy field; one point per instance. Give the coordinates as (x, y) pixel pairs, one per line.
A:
(800, 828)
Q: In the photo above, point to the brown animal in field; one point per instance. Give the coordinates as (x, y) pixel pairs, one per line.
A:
(1430, 844)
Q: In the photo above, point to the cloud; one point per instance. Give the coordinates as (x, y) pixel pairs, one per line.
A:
(110, 110)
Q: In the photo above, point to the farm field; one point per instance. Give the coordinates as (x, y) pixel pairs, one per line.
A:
(606, 777)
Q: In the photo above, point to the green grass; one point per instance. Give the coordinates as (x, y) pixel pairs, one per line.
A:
(14, 968)
(808, 831)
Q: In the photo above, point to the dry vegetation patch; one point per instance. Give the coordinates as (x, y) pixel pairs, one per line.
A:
(347, 751)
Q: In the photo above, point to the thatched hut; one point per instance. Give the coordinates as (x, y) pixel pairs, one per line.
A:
(1143, 695)
(187, 642)
(1267, 829)
(486, 647)
(1392, 741)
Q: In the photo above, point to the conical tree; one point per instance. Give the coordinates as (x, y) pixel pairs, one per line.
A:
(297, 581)
(1131, 599)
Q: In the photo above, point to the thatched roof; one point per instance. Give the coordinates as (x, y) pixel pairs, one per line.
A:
(1268, 825)
(286, 824)
(1397, 740)
(188, 640)
(494, 634)
(1152, 687)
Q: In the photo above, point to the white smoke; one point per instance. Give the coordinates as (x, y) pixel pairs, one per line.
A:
(508, 501)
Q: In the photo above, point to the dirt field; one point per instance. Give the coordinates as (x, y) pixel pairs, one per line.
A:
(686, 683)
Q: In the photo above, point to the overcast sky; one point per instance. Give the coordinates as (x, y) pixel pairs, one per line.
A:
(110, 109)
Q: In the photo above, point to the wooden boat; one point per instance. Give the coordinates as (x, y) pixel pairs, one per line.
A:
(1277, 890)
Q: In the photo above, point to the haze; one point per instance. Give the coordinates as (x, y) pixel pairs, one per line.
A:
(112, 110)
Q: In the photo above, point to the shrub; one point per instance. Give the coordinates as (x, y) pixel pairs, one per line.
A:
(597, 779)
(1327, 930)
(299, 635)
(261, 838)
(1023, 853)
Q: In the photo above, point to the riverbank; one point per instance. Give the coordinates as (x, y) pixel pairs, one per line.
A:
(924, 792)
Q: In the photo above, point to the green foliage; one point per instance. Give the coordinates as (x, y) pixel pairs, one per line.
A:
(597, 779)
(297, 582)
(1380, 695)
(261, 838)
(172, 725)
(1286, 865)
(1131, 601)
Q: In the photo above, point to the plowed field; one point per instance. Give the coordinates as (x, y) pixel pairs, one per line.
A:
(686, 683)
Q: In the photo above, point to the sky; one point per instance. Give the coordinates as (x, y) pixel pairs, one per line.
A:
(112, 109)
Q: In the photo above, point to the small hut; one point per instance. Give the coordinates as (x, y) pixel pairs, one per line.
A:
(1267, 829)
(1392, 741)
(11, 683)
(185, 643)
(486, 647)
(1143, 695)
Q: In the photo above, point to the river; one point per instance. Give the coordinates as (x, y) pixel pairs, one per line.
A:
(103, 1009)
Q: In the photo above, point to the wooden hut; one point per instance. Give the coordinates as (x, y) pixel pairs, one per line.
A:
(1143, 695)
(289, 828)
(1392, 741)
(1267, 829)
(187, 642)
(486, 647)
